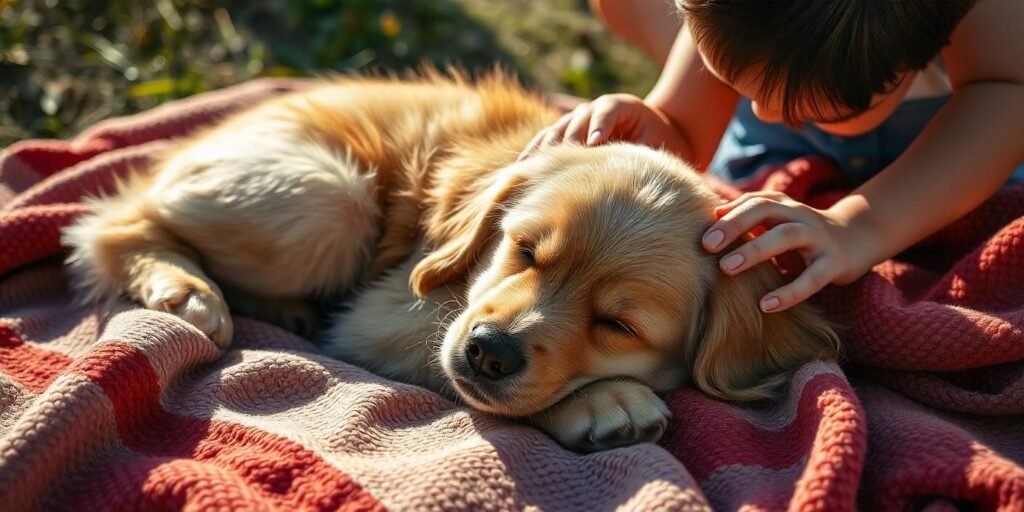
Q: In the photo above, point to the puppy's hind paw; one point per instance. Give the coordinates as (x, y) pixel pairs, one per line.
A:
(195, 302)
(606, 414)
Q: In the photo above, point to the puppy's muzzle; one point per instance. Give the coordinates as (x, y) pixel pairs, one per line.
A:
(493, 353)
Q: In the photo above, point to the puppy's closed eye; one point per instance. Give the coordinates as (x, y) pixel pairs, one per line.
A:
(615, 325)
(527, 253)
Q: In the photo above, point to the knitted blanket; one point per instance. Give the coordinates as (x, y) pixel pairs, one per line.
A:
(137, 410)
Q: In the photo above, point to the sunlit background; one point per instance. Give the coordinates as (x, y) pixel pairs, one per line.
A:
(65, 64)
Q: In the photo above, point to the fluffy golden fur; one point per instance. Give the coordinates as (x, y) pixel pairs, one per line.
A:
(566, 288)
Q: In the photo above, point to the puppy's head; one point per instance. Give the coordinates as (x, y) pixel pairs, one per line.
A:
(585, 263)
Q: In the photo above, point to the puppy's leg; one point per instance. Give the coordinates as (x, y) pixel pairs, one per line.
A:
(606, 414)
(263, 206)
(120, 249)
(388, 331)
(272, 212)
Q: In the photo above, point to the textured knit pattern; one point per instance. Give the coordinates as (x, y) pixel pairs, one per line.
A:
(135, 409)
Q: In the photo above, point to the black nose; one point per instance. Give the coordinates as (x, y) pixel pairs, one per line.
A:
(492, 352)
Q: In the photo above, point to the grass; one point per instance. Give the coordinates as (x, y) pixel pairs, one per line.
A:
(65, 64)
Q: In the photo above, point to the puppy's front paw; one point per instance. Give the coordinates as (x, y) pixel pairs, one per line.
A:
(606, 414)
(195, 302)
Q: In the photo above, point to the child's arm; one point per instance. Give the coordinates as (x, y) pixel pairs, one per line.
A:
(686, 112)
(698, 104)
(964, 155)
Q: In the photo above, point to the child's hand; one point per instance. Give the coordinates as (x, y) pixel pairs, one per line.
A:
(610, 117)
(827, 245)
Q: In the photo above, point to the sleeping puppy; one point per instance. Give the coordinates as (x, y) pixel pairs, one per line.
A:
(567, 288)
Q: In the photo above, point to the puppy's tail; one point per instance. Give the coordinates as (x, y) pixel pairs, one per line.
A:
(110, 245)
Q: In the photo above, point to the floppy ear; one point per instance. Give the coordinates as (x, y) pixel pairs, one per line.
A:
(458, 230)
(746, 354)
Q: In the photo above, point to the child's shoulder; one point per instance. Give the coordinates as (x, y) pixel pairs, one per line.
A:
(987, 44)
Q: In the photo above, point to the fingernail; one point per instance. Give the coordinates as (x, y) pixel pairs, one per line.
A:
(769, 304)
(713, 239)
(593, 137)
(732, 261)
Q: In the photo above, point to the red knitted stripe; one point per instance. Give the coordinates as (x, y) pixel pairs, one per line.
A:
(836, 459)
(32, 367)
(274, 468)
(162, 484)
(705, 435)
(50, 156)
(30, 234)
(916, 454)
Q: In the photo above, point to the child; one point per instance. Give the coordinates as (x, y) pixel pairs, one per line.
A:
(919, 102)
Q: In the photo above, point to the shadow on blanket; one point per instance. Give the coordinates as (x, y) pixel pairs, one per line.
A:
(143, 412)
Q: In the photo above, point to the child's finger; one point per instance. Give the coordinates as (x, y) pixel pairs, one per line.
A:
(532, 146)
(556, 132)
(811, 281)
(778, 240)
(577, 129)
(602, 123)
(724, 208)
(535, 143)
(745, 218)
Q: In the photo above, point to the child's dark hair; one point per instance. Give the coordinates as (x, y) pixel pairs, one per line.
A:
(822, 56)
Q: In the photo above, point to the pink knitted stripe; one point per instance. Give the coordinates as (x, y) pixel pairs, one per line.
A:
(91, 177)
(738, 487)
(14, 400)
(784, 410)
(279, 471)
(58, 434)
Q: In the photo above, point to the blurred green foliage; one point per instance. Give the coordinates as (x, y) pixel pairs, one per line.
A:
(65, 64)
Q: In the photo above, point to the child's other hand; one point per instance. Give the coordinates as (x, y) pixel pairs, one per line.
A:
(827, 245)
(610, 117)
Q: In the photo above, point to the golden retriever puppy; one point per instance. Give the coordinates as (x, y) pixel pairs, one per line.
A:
(567, 288)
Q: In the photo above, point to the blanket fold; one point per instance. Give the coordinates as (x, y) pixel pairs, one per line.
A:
(138, 410)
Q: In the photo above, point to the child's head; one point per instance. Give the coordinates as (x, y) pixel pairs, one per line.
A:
(842, 64)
